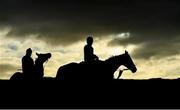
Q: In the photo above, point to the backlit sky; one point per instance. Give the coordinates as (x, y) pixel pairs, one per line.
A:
(148, 30)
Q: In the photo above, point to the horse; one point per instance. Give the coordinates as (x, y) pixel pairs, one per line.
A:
(38, 69)
(98, 70)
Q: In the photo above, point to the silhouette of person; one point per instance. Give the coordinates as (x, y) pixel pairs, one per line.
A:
(27, 63)
(89, 55)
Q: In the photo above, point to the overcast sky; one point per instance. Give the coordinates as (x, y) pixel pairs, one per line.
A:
(149, 30)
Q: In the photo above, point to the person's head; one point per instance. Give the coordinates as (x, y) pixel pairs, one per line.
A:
(28, 52)
(90, 40)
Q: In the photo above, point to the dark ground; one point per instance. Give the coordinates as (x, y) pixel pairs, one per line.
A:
(154, 93)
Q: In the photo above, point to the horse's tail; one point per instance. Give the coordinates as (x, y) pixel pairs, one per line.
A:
(66, 71)
(17, 76)
(60, 75)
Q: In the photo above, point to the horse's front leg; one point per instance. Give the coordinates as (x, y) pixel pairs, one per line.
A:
(120, 73)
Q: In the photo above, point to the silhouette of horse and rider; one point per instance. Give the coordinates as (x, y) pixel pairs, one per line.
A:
(90, 69)
(31, 70)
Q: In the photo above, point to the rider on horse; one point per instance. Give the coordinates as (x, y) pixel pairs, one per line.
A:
(27, 63)
(89, 55)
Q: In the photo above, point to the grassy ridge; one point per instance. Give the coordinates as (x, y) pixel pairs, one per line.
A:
(153, 93)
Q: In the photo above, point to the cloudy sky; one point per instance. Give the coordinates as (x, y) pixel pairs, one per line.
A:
(148, 30)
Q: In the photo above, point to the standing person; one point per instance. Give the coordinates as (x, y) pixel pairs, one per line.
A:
(28, 64)
(89, 55)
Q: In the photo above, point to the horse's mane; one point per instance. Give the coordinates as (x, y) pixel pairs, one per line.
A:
(111, 58)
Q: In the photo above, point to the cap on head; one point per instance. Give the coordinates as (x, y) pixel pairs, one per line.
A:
(89, 40)
(29, 51)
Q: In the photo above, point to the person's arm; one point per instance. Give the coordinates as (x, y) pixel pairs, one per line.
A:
(32, 61)
(93, 55)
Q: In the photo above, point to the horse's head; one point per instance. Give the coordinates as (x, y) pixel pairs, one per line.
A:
(128, 62)
(43, 57)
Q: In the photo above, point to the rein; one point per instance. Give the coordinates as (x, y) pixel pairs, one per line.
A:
(45, 63)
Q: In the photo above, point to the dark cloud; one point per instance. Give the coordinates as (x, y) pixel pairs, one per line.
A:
(151, 45)
(157, 50)
(155, 24)
(65, 22)
(13, 47)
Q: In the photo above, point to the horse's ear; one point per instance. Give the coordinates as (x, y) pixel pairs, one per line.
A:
(37, 54)
(126, 52)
